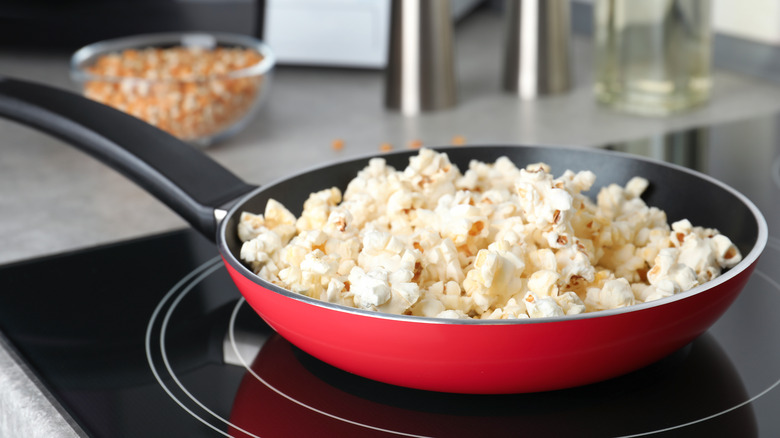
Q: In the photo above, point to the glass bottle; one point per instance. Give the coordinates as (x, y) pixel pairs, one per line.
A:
(653, 57)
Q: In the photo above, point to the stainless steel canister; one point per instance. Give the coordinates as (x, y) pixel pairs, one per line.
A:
(420, 73)
(536, 47)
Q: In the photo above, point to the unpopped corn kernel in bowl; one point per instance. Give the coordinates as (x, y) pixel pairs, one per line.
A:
(493, 242)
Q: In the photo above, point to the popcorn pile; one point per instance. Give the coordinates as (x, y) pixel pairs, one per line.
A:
(495, 242)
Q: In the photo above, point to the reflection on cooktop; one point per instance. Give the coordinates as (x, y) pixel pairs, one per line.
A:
(680, 392)
(697, 390)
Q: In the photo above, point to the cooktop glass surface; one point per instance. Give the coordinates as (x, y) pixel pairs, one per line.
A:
(151, 338)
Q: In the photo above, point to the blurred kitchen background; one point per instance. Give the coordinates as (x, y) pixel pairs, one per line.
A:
(321, 32)
(327, 99)
(311, 32)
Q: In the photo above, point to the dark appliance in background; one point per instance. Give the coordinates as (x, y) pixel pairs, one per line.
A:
(328, 33)
(69, 24)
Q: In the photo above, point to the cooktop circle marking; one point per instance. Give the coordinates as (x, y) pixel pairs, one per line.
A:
(244, 362)
(187, 283)
(163, 350)
(197, 275)
(249, 369)
(776, 285)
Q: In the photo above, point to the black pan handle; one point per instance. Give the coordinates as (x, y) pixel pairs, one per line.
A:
(182, 177)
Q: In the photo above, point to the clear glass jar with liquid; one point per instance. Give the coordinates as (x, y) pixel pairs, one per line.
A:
(653, 57)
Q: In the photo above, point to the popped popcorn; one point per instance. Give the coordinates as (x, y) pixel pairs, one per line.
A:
(495, 242)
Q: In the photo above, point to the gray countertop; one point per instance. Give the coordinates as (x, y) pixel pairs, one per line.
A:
(54, 198)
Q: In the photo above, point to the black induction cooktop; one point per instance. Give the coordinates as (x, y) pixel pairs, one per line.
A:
(150, 338)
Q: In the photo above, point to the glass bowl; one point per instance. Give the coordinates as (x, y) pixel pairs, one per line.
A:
(200, 87)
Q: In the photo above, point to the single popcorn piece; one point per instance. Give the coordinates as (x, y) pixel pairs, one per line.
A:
(705, 251)
(447, 294)
(571, 303)
(624, 261)
(402, 202)
(667, 267)
(318, 263)
(636, 186)
(383, 250)
(452, 314)
(544, 283)
(262, 252)
(276, 218)
(312, 276)
(369, 289)
(261, 246)
(662, 289)
(545, 205)
(496, 242)
(615, 293)
(513, 309)
(726, 253)
(429, 307)
(494, 278)
(574, 261)
(541, 307)
(383, 290)
(542, 259)
(432, 174)
(302, 244)
(250, 226)
(334, 293)
(317, 208)
(498, 177)
(461, 222)
(367, 194)
(280, 220)
(441, 262)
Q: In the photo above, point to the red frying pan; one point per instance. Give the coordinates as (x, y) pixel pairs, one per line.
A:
(468, 356)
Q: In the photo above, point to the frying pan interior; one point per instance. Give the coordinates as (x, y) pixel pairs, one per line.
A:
(679, 192)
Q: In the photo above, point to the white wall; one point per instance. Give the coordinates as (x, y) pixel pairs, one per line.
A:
(757, 20)
(752, 19)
